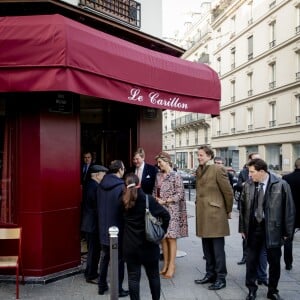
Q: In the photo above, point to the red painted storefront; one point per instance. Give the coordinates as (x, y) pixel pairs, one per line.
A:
(50, 91)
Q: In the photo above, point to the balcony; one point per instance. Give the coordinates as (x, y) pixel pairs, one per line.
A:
(272, 85)
(191, 120)
(124, 11)
(272, 123)
(250, 93)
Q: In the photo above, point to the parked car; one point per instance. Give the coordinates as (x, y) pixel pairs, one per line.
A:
(189, 179)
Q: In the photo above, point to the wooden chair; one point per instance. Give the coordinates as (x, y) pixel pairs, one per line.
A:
(12, 261)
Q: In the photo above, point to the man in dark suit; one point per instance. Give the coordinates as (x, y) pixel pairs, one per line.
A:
(293, 179)
(87, 163)
(89, 224)
(145, 172)
(267, 216)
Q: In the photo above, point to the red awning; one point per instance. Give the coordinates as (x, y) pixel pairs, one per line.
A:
(54, 53)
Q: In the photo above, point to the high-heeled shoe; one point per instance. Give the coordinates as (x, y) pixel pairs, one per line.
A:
(170, 272)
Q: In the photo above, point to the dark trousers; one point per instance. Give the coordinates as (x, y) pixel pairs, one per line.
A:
(134, 277)
(104, 262)
(93, 255)
(288, 252)
(213, 249)
(256, 243)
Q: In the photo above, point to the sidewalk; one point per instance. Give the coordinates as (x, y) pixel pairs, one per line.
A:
(182, 286)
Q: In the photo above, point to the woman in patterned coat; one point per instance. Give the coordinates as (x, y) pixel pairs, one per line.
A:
(169, 192)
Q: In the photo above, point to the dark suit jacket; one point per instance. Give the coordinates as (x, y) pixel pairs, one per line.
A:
(293, 179)
(89, 221)
(148, 178)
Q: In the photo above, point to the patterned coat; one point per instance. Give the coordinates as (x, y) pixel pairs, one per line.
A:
(214, 200)
(171, 186)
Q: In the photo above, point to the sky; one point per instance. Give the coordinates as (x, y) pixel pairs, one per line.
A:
(174, 14)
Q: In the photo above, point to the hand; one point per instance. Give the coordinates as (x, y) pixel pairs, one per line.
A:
(229, 215)
(243, 235)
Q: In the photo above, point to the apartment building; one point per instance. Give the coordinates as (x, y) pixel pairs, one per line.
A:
(254, 45)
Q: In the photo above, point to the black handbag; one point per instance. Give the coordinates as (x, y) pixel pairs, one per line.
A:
(153, 229)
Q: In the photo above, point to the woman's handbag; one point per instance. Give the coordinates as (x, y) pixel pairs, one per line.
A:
(153, 229)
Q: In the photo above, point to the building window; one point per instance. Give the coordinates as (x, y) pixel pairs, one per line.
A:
(272, 34)
(250, 12)
(272, 83)
(250, 90)
(196, 136)
(187, 135)
(232, 58)
(232, 123)
(219, 65)
(298, 65)
(205, 135)
(272, 120)
(298, 19)
(232, 27)
(298, 108)
(232, 91)
(274, 157)
(218, 126)
(250, 47)
(250, 118)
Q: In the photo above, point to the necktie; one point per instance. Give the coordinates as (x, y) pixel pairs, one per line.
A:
(260, 201)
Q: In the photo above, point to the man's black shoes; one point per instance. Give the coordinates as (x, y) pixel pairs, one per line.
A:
(102, 290)
(289, 267)
(274, 296)
(242, 262)
(219, 284)
(205, 279)
(251, 296)
(264, 282)
(123, 293)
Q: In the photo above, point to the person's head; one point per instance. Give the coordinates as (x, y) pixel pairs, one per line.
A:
(117, 167)
(258, 169)
(138, 157)
(205, 154)
(218, 161)
(87, 158)
(97, 172)
(130, 190)
(253, 155)
(164, 162)
(297, 163)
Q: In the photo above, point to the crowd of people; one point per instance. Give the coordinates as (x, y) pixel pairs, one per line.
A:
(114, 196)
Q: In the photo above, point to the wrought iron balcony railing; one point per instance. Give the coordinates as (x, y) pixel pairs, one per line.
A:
(193, 118)
(124, 11)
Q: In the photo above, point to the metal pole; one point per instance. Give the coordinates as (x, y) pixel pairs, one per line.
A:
(114, 271)
(189, 187)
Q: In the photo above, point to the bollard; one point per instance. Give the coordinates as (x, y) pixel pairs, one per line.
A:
(114, 272)
(189, 187)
